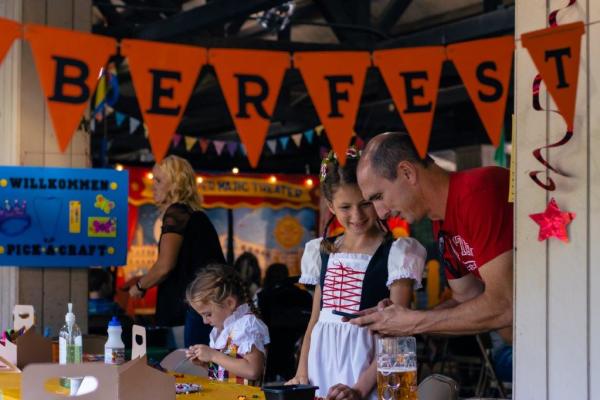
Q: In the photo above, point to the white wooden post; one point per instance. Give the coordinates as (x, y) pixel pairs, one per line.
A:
(556, 323)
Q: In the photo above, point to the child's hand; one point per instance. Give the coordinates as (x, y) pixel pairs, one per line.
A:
(298, 380)
(201, 352)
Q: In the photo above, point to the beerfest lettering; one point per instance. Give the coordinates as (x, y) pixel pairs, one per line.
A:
(164, 75)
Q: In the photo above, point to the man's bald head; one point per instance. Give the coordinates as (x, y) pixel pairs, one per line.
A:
(385, 151)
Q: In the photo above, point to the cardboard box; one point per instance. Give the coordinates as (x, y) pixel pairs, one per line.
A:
(134, 380)
(8, 367)
(30, 347)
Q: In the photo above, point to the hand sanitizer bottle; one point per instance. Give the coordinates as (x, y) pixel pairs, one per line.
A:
(69, 344)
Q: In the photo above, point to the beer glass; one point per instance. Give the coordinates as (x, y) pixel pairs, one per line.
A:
(396, 368)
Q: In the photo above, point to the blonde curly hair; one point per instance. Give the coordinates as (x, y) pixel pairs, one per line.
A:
(183, 183)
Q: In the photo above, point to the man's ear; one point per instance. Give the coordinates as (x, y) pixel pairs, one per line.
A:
(407, 171)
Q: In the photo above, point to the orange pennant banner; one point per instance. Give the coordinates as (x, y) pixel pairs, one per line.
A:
(10, 31)
(68, 64)
(335, 81)
(250, 80)
(555, 52)
(412, 76)
(485, 66)
(164, 76)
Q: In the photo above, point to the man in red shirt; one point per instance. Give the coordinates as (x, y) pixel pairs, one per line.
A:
(473, 223)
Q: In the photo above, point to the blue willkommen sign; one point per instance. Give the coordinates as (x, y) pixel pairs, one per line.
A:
(63, 217)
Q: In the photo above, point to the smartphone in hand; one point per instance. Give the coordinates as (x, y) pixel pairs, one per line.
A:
(345, 314)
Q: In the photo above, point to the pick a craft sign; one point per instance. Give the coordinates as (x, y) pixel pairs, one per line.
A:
(63, 217)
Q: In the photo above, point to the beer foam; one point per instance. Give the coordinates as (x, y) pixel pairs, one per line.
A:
(389, 370)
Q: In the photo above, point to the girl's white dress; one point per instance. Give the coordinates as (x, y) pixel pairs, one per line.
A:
(339, 351)
(241, 330)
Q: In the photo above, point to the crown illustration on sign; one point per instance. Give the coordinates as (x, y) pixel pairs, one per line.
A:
(14, 212)
(16, 209)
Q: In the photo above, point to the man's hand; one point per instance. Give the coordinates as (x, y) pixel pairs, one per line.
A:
(343, 392)
(389, 320)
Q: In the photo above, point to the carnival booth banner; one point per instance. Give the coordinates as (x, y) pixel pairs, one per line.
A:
(68, 65)
(335, 82)
(63, 217)
(236, 191)
(251, 80)
(163, 85)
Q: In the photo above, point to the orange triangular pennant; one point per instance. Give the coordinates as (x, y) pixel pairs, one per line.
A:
(484, 66)
(10, 31)
(250, 80)
(555, 52)
(335, 83)
(68, 65)
(412, 76)
(164, 76)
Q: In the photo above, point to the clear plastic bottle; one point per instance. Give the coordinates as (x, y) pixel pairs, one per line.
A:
(69, 344)
(114, 349)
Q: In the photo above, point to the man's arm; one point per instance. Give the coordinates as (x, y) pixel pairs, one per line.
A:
(463, 289)
(490, 310)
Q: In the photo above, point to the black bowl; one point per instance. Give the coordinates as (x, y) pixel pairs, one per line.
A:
(290, 392)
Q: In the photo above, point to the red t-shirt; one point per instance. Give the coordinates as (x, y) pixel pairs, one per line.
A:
(478, 225)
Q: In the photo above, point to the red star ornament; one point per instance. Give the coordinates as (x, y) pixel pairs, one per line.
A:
(553, 222)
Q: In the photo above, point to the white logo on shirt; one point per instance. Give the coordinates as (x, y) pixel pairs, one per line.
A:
(465, 249)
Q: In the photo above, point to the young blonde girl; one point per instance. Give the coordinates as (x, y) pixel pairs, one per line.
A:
(352, 272)
(238, 340)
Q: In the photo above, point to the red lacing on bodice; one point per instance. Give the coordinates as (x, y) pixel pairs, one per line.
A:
(342, 288)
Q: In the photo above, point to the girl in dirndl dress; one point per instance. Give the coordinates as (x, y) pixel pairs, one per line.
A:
(352, 272)
(238, 340)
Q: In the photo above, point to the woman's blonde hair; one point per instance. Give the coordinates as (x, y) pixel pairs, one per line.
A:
(215, 283)
(183, 183)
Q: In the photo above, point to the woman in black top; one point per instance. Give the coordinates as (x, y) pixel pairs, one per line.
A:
(188, 243)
